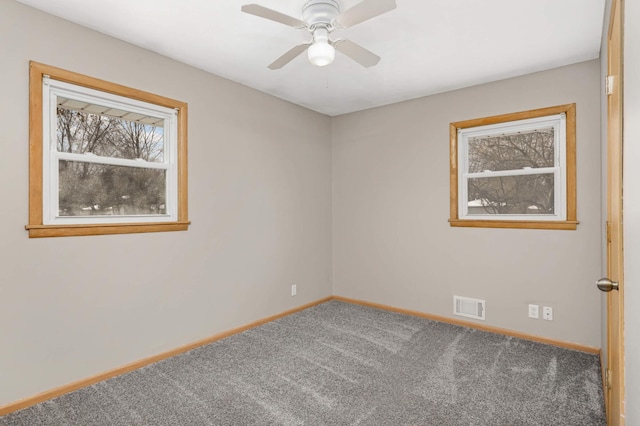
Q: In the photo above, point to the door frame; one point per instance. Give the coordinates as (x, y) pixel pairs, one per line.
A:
(614, 373)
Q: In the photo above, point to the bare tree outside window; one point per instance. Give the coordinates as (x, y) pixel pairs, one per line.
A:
(88, 188)
(100, 189)
(523, 194)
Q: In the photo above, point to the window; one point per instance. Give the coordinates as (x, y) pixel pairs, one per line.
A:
(104, 158)
(515, 170)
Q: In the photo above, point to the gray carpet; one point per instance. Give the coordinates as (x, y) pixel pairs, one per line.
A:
(343, 364)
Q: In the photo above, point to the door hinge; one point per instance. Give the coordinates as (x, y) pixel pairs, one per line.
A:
(608, 232)
(608, 84)
(607, 378)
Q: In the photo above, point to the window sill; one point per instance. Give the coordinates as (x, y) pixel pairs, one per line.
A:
(44, 231)
(568, 225)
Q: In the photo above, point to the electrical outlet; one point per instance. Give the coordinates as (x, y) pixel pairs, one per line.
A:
(294, 290)
(534, 311)
(547, 313)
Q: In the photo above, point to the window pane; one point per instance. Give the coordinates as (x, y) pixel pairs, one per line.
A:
(99, 189)
(107, 134)
(525, 194)
(512, 151)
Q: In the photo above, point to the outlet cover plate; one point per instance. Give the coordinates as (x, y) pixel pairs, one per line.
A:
(547, 313)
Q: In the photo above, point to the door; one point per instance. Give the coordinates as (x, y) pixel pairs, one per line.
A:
(614, 394)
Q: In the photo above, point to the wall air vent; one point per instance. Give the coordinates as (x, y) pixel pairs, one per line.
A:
(470, 308)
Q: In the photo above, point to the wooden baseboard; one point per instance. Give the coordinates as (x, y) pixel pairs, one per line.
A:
(59, 391)
(491, 329)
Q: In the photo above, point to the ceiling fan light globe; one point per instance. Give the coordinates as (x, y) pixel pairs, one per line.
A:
(321, 54)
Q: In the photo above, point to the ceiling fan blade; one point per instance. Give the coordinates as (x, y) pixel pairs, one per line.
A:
(363, 11)
(356, 52)
(263, 12)
(293, 53)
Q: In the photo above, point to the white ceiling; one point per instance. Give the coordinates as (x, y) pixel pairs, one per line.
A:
(427, 46)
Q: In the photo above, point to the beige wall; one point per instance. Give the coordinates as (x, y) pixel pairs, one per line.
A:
(392, 243)
(260, 202)
(632, 210)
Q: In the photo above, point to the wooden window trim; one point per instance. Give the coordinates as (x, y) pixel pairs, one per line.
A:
(36, 228)
(570, 223)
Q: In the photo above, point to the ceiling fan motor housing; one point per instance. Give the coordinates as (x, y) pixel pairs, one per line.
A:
(320, 13)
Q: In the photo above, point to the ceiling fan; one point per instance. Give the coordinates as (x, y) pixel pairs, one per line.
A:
(320, 18)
